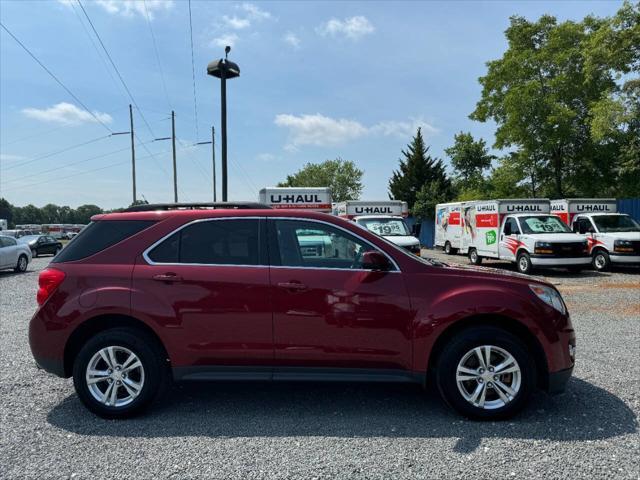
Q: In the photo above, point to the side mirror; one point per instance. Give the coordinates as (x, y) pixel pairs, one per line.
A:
(376, 261)
(582, 228)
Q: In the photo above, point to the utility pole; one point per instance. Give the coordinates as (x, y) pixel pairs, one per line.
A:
(133, 154)
(175, 169)
(213, 157)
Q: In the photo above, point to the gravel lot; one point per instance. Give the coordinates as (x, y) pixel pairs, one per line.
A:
(254, 430)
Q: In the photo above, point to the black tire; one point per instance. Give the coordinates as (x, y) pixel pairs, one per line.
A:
(474, 258)
(447, 248)
(151, 356)
(601, 261)
(523, 263)
(21, 266)
(464, 342)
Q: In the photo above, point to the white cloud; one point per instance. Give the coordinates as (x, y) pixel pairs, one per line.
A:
(129, 8)
(320, 130)
(266, 157)
(225, 39)
(235, 22)
(8, 157)
(66, 114)
(403, 128)
(353, 27)
(292, 39)
(255, 12)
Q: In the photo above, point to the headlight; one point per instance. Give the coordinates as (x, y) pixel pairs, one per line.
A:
(550, 296)
(543, 247)
(623, 246)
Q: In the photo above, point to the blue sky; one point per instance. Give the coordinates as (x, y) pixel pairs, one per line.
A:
(318, 80)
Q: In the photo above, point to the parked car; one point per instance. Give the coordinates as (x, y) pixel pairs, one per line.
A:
(41, 244)
(158, 293)
(13, 254)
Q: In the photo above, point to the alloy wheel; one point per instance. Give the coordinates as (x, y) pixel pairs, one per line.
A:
(115, 376)
(488, 377)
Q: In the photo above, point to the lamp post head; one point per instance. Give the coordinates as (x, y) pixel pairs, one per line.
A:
(223, 67)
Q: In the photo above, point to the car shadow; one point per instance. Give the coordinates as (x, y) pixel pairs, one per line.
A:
(584, 413)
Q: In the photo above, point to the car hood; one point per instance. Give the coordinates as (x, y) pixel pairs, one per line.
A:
(492, 274)
(402, 240)
(555, 237)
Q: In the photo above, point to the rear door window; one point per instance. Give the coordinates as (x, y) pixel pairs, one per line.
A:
(98, 236)
(212, 242)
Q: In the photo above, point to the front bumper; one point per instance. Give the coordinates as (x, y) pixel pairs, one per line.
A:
(540, 261)
(629, 259)
(557, 381)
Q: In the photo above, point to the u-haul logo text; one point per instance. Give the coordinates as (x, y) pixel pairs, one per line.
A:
(369, 210)
(524, 208)
(486, 208)
(594, 208)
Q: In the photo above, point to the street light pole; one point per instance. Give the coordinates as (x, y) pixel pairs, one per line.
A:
(133, 155)
(175, 168)
(213, 161)
(224, 69)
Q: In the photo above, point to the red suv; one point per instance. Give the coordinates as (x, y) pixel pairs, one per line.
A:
(243, 292)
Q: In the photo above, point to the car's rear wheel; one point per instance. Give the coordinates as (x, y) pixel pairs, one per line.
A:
(474, 258)
(486, 373)
(447, 248)
(119, 372)
(601, 261)
(21, 266)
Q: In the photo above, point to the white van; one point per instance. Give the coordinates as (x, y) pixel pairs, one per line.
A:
(448, 226)
(523, 232)
(614, 238)
(384, 218)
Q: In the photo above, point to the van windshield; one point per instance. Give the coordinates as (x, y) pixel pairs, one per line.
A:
(385, 227)
(543, 224)
(615, 223)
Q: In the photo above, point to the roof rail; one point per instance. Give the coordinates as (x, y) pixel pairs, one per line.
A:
(197, 206)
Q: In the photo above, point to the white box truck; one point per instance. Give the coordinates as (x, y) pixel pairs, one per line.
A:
(613, 238)
(307, 198)
(523, 232)
(382, 217)
(448, 227)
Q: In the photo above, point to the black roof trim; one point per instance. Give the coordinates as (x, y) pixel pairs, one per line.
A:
(198, 206)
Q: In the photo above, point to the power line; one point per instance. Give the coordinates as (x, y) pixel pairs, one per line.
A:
(54, 77)
(116, 68)
(155, 48)
(57, 152)
(193, 74)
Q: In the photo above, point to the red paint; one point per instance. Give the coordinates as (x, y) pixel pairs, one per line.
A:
(454, 218)
(487, 220)
(233, 315)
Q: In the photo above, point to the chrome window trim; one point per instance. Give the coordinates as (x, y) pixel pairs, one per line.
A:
(145, 254)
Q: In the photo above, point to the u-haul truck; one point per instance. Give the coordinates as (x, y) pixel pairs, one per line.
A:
(448, 226)
(307, 198)
(614, 238)
(523, 232)
(384, 218)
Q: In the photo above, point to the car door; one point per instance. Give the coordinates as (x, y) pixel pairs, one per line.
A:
(207, 286)
(51, 244)
(509, 242)
(329, 311)
(4, 252)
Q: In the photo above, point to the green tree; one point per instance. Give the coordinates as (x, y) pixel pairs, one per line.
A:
(469, 158)
(433, 192)
(51, 214)
(418, 170)
(84, 213)
(542, 91)
(6, 210)
(342, 176)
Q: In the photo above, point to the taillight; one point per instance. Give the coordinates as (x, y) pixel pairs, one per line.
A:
(48, 281)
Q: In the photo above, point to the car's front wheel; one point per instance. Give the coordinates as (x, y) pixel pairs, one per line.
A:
(601, 261)
(523, 263)
(21, 266)
(119, 372)
(486, 373)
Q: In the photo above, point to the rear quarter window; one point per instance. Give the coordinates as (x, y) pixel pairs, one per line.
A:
(98, 236)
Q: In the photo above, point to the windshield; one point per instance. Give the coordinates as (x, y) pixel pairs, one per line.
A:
(29, 238)
(387, 227)
(615, 223)
(543, 224)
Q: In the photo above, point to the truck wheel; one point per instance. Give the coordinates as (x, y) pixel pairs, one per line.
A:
(447, 248)
(486, 373)
(601, 261)
(119, 372)
(474, 258)
(523, 263)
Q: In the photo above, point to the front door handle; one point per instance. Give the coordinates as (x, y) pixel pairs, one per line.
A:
(167, 277)
(292, 285)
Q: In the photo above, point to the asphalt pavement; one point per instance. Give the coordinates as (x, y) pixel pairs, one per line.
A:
(283, 430)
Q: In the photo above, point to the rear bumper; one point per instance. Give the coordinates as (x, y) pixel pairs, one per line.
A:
(559, 262)
(557, 381)
(629, 259)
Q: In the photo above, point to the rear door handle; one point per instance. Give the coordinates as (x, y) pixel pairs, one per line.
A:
(292, 285)
(167, 277)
